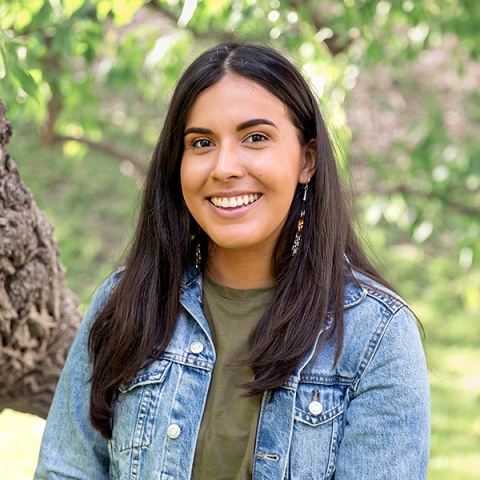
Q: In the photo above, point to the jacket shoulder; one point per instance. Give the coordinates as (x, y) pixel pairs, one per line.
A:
(374, 291)
(101, 296)
(366, 323)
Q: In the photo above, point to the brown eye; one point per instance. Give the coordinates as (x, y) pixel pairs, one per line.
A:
(202, 143)
(256, 137)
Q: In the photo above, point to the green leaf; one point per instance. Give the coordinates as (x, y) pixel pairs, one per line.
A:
(124, 10)
(104, 7)
(25, 80)
(23, 19)
(71, 6)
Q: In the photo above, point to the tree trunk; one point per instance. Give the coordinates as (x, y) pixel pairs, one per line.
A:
(38, 313)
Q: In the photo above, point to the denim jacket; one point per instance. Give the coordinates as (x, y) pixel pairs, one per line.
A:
(365, 417)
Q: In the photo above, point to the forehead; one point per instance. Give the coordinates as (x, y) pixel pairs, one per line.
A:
(236, 96)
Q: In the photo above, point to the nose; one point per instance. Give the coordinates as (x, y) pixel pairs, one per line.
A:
(228, 163)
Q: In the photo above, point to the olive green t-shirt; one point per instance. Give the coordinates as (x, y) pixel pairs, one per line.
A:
(226, 440)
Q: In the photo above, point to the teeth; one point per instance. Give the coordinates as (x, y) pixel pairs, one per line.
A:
(232, 202)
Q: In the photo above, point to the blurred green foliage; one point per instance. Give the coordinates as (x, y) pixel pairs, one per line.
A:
(82, 76)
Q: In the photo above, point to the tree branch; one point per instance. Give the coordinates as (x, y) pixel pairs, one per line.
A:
(458, 207)
(51, 66)
(209, 35)
(54, 108)
(139, 165)
(335, 43)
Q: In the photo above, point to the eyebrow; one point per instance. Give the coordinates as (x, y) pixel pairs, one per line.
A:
(253, 123)
(238, 128)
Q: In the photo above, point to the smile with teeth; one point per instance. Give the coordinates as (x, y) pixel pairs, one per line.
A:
(234, 202)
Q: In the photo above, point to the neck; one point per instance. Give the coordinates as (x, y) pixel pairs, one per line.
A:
(241, 269)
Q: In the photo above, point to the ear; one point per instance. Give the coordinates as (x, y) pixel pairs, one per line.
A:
(310, 161)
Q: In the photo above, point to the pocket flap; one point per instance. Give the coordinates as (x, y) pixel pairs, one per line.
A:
(317, 404)
(154, 373)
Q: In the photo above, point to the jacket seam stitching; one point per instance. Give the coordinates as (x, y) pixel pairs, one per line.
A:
(259, 432)
(335, 412)
(166, 442)
(373, 346)
(390, 302)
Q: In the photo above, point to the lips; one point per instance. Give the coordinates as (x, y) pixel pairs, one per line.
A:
(236, 201)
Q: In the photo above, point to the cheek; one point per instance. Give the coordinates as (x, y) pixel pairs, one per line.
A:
(192, 181)
(288, 173)
(183, 175)
(186, 183)
(188, 178)
(194, 172)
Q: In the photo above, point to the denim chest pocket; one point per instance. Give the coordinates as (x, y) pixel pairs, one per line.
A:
(136, 408)
(317, 429)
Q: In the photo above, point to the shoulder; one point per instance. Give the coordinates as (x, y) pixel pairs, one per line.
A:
(364, 288)
(370, 304)
(109, 285)
(378, 322)
(102, 295)
(99, 300)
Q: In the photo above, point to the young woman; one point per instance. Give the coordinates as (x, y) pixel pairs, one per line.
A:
(248, 336)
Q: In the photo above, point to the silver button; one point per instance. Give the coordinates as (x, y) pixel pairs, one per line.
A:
(173, 431)
(196, 348)
(315, 408)
(199, 299)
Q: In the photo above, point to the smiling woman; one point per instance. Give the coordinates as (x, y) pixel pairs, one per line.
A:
(241, 165)
(248, 336)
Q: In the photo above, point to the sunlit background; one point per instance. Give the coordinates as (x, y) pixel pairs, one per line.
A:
(86, 83)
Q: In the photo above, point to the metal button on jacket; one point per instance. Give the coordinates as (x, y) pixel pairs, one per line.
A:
(173, 431)
(315, 408)
(196, 347)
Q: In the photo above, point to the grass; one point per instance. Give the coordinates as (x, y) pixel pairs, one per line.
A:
(20, 436)
(92, 205)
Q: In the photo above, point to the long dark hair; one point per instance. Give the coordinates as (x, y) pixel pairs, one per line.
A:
(140, 316)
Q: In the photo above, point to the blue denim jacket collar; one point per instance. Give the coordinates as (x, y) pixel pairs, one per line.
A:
(191, 296)
(191, 300)
(354, 292)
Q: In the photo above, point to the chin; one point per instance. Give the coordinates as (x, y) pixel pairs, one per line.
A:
(232, 245)
(239, 243)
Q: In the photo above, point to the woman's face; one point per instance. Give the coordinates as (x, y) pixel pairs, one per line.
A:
(241, 164)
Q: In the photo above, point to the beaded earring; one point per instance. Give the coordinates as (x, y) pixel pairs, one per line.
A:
(198, 256)
(298, 234)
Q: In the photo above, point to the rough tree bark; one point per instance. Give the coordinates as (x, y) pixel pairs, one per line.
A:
(38, 313)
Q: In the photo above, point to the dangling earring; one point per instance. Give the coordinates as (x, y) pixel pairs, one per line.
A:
(198, 256)
(298, 234)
